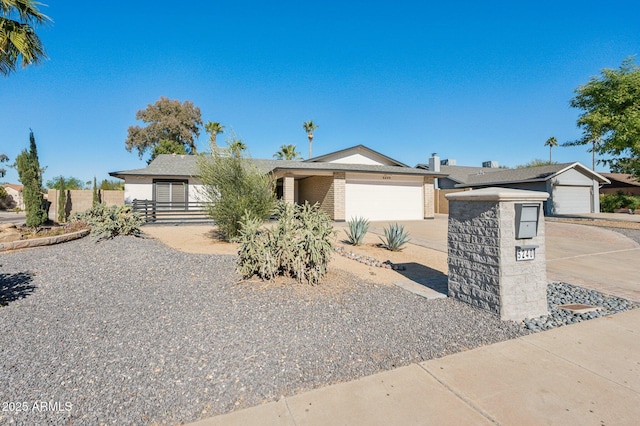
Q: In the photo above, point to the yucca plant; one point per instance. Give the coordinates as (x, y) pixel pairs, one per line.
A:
(358, 228)
(394, 237)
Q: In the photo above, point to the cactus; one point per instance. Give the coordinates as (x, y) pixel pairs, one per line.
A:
(358, 227)
(394, 237)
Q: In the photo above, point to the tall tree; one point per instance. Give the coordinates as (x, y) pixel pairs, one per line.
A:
(536, 162)
(69, 183)
(213, 128)
(237, 147)
(610, 120)
(62, 200)
(170, 123)
(96, 194)
(287, 152)
(19, 43)
(551, 142)
(3, 159)
(30, 174)
(309, 127)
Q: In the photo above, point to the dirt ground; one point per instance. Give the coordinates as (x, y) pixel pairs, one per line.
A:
(418, 262)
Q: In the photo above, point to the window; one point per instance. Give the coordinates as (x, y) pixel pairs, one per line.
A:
(171, 195)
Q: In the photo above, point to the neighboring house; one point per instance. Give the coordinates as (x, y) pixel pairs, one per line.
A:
(572, 187)
(354, 182)
(14, 198)
(456, 175)
(628, 184)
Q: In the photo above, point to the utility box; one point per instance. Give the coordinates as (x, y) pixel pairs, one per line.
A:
(527, 220)
(496, 251)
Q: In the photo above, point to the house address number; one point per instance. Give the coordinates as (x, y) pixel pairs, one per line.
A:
(525, 253)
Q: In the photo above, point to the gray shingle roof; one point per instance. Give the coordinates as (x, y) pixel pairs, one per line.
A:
(186, 165)
(525, 174)
(459, 174)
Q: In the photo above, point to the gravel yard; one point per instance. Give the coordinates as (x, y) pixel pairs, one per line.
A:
(129, 331)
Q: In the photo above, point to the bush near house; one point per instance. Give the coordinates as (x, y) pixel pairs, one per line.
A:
(298, 246)
(109, 222)
(609, 203)
(233, 187)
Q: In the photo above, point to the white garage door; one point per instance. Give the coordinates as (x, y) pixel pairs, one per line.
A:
(572, 199)
(379, 197)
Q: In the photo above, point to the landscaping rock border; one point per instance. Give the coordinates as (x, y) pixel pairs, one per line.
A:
(44, 241)
(367, 260)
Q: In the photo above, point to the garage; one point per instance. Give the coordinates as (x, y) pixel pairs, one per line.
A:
(380, 197)
(568, 199)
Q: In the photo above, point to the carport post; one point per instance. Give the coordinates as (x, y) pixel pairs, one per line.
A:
(496, 251)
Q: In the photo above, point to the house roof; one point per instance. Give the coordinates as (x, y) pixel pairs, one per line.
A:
(14, 186)
(186, 166)
(622, 179)
(459, 174)
(358, 149)
(525, 174)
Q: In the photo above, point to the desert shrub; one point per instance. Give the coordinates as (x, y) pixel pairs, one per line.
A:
(611, 202)
(233, 187)
(358, 228)
(298, 246)
(108, 222)
(394, 237)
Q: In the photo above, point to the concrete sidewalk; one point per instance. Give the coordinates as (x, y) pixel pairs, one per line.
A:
(586, 374)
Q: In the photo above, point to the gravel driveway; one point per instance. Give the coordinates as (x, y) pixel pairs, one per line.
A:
(129, 331)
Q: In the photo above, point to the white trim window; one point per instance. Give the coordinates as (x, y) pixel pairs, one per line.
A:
(170, 194)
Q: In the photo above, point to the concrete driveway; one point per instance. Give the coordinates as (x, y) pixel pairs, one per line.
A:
(584, 255)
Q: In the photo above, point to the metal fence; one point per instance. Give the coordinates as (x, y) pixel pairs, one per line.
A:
(169, 212)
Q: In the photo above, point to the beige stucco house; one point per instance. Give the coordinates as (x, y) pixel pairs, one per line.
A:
(353, 182)
(14, 195)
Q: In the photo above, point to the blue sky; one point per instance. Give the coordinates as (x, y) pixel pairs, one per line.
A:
(470, 80)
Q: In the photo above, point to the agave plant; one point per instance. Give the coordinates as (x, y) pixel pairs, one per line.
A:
(358, 227)
(394, 237)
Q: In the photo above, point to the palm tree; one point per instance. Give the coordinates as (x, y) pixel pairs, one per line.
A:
(18, 40)
(287, 152)
(309, 127)
(551, 142)
(236, 147)
(213, 128)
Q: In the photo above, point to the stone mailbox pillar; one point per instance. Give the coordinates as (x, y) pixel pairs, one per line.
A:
(497, 251)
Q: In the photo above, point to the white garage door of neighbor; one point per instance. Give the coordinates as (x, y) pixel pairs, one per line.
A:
(572, 199)
(378, 199)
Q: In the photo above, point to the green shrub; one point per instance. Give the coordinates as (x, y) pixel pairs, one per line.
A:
(234, 187)
(394, 237)
(610, 202)
(108, 222)
(358, 228)
(298, 246)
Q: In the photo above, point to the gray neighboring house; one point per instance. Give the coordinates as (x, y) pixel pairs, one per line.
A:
(353, 182)
(573, 187)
